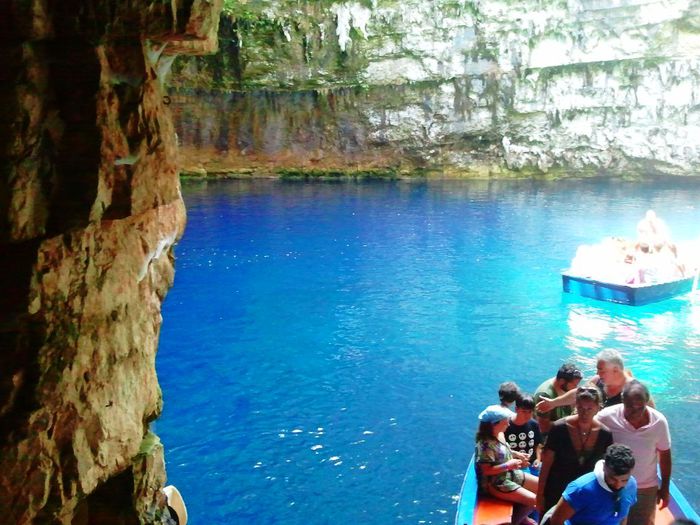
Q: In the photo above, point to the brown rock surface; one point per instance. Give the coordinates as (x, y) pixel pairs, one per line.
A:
(90, 207)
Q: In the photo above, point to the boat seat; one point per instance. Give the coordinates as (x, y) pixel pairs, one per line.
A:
(492, 511)
(663, 517)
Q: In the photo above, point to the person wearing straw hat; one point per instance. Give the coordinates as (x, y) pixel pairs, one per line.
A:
(176, 505)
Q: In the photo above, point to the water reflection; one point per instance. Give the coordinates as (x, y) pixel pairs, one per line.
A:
(656, 341)
(694, 323)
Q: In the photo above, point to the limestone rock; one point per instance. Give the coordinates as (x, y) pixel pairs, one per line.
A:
(576, 87)
(90, 208)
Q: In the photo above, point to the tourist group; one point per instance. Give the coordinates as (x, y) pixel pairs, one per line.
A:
(578, 451)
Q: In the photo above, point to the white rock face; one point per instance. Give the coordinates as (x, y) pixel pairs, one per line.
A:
(585, 84)
(537, 86)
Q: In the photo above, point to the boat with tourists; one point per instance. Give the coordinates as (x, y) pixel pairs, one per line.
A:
(475, 509)
(646, 270)
(629, 294)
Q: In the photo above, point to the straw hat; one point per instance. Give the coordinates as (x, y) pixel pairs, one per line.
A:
(176, 503)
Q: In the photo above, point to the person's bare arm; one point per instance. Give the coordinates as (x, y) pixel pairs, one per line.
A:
(519, 455)
(538, 456)
(665, 470)
(547, 459)
(562, 512)
(548, 404)
(491, 470)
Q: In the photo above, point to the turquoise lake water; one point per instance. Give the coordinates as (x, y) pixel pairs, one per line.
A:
(327, 345)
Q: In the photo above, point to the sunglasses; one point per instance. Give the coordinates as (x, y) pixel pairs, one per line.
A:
(576, 374)
(589, 389)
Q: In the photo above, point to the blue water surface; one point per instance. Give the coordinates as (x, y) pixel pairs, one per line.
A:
(327, 345)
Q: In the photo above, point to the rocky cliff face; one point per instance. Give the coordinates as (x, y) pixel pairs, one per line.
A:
(477, 88)
(90, 207)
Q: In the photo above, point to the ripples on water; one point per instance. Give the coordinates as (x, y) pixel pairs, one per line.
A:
(327, 346)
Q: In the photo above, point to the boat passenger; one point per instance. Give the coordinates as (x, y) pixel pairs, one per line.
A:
(656, 264)
(601, 497)
(616, 260)
(653, 230)
(567, 379)
(607, 261)
(628, 270)
(611, 378)
(648, 265)
(523, 432)
(508, 393)
(574, 445)
(499, 469)
(645, 430)
(670, 266)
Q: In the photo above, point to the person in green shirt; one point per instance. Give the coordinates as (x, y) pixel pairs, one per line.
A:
(568, 377)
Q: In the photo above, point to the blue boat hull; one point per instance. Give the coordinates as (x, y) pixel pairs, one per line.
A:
(466, 506)
(625, 294)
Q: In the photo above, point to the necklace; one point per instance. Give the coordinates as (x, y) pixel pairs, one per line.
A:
(583, 438)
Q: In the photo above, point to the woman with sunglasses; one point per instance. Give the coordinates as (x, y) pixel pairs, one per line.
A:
(574, 445)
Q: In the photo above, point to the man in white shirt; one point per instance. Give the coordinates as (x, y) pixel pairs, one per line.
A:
(645, 430)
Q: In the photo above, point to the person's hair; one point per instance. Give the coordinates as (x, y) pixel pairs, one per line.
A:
(485, 431)
(569, 372)
(619, 459)
(611, 357)
(633, 384)
(525, 401)
(508, 392)
(589, 392)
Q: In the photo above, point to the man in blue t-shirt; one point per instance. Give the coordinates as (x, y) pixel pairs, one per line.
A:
(601, 497)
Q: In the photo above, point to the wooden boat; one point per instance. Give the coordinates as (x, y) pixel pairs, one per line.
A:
(630, 294)
(474, 510)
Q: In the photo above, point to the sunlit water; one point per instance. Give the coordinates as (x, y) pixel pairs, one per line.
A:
(327, 346)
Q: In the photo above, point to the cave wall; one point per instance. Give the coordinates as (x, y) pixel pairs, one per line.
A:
(90, 207)
(470, 87)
